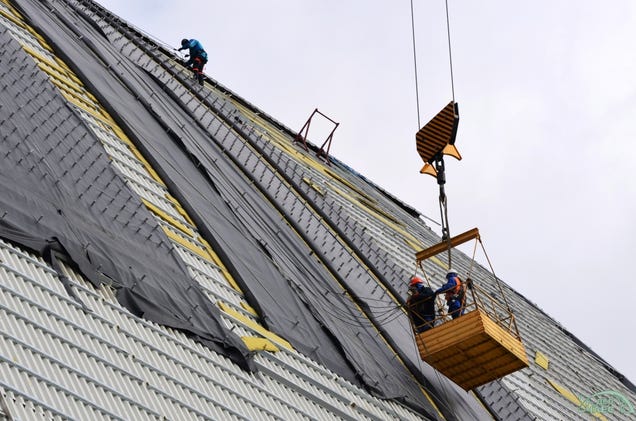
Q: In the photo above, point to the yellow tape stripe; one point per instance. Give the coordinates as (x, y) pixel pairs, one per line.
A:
(180, 209)
(86, 107)
(13, 10)
(541, 360)
(133, 149)
(249, 308)
(55, 65)
(13, 19)
(166, 217)
(215, 258)
(314, 186)
(63, 77)
(18, 20)
(74, 91)
(194, 248)
(259, 344)
(68, 91)
(253, 325)
(65, 85)
(567, 394)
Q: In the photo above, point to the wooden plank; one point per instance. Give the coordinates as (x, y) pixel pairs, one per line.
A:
(450, 337)
(482, 349)
(472, 350)
(459, 354)
(479, 374)
(448, 358)
(506, 339)
(471, 373)
(443, 246)
(493, 375)
(490, 361)
(448, 340)
(450, 333)
(491, 351)
(254, 343)
(476, 345)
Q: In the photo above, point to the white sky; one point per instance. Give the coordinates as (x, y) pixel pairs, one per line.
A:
(547, 101)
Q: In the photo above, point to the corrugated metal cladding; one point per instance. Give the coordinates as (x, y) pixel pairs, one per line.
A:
(162, 238)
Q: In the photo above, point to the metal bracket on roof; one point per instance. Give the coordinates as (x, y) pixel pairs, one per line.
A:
(302, 136)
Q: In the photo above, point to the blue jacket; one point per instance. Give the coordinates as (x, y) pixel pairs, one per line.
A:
(450, 284)
(196, 50)
(421, 306)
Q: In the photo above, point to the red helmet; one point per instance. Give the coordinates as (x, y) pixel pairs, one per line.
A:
(414, 281)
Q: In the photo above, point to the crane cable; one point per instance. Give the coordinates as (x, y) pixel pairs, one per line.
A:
(439, 162)
(450, 60)
(417, 90)
(450, 55)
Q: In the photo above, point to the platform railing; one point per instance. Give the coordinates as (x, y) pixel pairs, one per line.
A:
(475, 298)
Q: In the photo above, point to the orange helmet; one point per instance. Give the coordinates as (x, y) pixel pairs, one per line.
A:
(414, 281)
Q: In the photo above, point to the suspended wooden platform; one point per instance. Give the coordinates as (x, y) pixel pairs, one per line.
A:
(472, 350)
(484, 343)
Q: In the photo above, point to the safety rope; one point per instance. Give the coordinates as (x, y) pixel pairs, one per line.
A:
(472, 261)
(450, 55)
(417, 90)
(492, 270)
(505, 300)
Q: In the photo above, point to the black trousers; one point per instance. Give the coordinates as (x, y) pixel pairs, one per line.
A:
(197, 65)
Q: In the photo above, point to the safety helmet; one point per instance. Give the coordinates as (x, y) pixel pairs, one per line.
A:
(414, 281)
(451, 271)
(185, 42)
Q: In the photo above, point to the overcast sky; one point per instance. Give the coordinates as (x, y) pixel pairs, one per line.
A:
(547, 100)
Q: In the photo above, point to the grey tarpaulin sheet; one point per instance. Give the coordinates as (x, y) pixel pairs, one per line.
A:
(197, 192)
(58, 190)
(277, 272)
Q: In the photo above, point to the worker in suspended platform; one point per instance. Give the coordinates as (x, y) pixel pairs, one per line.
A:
(453, 293)
(197, 57)
(421, 305)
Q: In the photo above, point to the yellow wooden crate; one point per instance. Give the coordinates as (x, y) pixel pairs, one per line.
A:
(472, 350)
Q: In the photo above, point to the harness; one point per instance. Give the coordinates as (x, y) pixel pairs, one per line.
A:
(457, 292)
